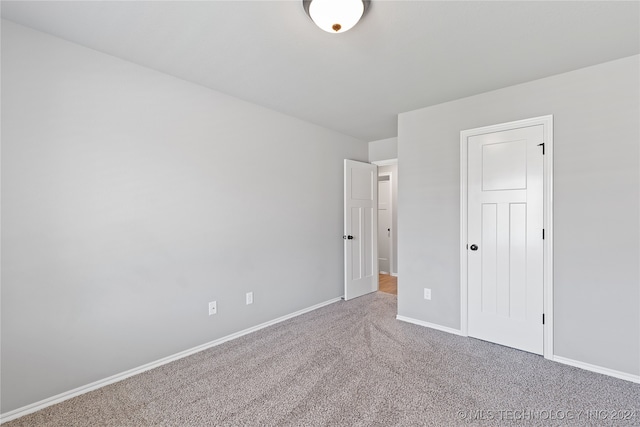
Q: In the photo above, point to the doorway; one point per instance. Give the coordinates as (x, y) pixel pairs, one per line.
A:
(506, 282)
(387, 225)
(384, 223)
(362, 228)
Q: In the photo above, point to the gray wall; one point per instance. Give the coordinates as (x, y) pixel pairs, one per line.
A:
(131, 198)
(596, 206)
(383, 149)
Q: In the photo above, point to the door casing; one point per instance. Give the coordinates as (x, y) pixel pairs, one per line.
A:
(390, 243)
(392, 179)
(547, 122)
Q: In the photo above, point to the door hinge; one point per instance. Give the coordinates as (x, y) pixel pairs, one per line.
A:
(542, 145)
(543, 318)
(543, 234)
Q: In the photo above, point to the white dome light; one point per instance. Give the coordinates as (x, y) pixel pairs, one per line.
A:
(335, 16)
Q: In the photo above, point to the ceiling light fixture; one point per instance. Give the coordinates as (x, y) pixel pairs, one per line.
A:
(335, 16)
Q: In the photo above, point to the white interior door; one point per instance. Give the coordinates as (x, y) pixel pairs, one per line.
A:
(360, 234)
(505, 238)
(384, 224)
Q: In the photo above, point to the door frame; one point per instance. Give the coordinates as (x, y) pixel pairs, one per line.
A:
(547, 244)
(390, 162)
(390, 175)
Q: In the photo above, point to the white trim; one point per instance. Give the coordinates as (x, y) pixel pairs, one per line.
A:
(547, 122)
(28, 409)
(548, 238)
(393, 274)
(429, 325)
(385, 162)
(598, 369)
(565, 361)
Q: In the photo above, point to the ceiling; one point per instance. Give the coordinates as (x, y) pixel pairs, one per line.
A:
(403, 55)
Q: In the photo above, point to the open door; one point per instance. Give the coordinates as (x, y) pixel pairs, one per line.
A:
(360, 229)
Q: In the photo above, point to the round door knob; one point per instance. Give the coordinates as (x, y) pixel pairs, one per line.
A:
(473, 247)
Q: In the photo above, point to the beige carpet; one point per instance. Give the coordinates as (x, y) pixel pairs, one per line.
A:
(352, 364)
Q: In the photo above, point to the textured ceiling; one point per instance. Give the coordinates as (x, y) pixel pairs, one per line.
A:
(403, 55)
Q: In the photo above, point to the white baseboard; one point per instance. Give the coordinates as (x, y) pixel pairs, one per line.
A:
(430, 325)
(25, 410)
(559, 359)
(389, 273)
(598, 369)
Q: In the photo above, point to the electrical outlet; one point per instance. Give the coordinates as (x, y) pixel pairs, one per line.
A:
(249, 298)
(213, 308)
(427, 293)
